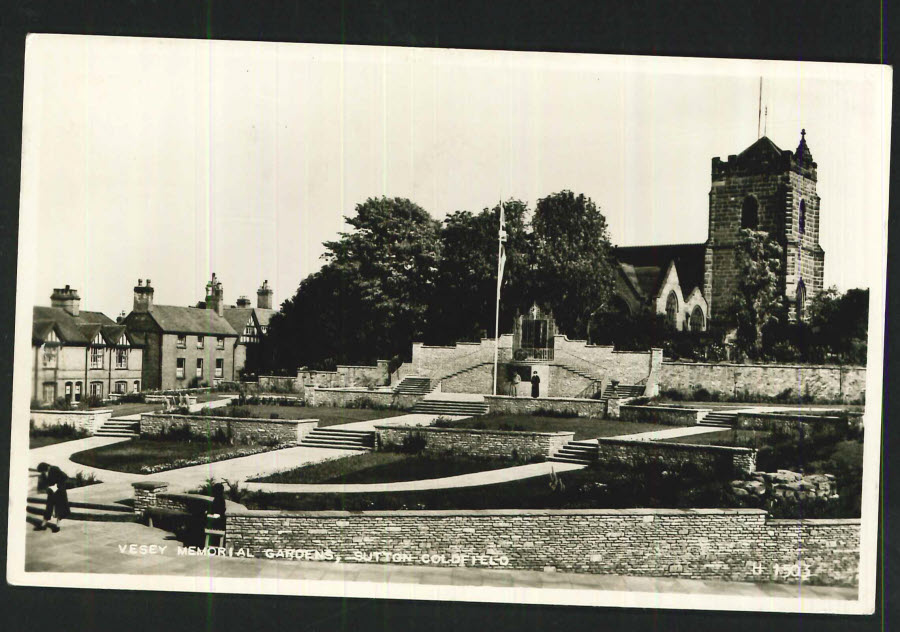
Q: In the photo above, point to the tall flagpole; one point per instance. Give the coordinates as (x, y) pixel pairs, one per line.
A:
(501, 237)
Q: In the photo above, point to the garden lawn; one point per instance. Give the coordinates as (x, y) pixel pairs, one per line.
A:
(123, 410)
(583, 427)
(327, 415)
(132, 456)
(386, 467)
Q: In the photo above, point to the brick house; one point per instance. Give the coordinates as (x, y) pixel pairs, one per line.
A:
(78, 353)
(763, 188)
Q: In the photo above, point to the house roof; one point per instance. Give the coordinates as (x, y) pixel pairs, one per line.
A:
(190, 320)
(646, 266)
(238, 317)
(74, 330)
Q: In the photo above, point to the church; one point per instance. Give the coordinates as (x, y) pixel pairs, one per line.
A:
(763, 188)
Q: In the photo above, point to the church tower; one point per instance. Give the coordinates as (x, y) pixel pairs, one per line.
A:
(768, 189)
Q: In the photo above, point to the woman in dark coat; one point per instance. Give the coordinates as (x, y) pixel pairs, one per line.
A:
(54, 480)
(535, 385)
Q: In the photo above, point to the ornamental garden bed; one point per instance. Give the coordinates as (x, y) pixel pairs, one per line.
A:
(327, 415)
(38, 437)
(387, 467)
(582, 427)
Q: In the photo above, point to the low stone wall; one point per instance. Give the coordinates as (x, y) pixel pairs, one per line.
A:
(792, 423)
(278, 383)
(245, 430)
(486, 443)
(665, 415)
(824, 383)
(87, 420)
(723, 459)
(528, 405)
(614, 406)
(360, 398)
(707, 544)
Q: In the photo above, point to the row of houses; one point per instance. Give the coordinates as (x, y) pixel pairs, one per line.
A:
(78, 353)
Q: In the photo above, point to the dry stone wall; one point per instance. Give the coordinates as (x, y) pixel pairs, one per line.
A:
(87, 420)
(245, 430)
(724, 459)
(484, 443)
(528, 406)
(666, 415)
(793, 423)
(360, 398)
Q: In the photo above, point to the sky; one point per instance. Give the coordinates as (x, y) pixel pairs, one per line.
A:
(173, 159)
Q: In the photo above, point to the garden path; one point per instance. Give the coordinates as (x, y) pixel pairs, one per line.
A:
(669, 433)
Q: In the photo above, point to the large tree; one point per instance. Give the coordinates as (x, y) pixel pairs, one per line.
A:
(464, 304)
(840, 323)
(572, 271)
(758, 302)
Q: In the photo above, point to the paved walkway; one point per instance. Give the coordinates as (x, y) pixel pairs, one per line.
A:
(670, 433)
(94, 547)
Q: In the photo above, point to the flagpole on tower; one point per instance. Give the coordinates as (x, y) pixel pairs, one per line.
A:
(501, 262)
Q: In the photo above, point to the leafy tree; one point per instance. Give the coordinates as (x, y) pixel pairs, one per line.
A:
(758, 302)
(463, 307)
(840, 323)
(572, 272)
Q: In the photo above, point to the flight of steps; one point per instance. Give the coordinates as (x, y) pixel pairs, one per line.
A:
(94, 512)
(339, 439)
(719, 418)
(450, 407)
(119, 428)
(621, 391)
(580, 452)
(414, 385)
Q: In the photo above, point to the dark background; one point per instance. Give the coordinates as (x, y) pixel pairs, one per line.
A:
(826, 30)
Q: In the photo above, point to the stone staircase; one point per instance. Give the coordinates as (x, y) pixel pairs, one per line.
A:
(466, 369)
(94, 512)
(414, 385)
(119, 428)
(719, 419)
(580, 452)
(339, 439)
(437, 406)
(621, 391)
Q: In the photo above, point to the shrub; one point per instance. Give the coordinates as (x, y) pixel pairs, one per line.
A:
(132, 398)
(83, 480)
(62, 431)
(443, 422)
(552, 412)
(413, 443)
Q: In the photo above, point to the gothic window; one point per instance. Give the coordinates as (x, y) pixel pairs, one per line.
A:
(750, 213)
(801, 299)
(672, 310)
(802, 221)
(697, 319)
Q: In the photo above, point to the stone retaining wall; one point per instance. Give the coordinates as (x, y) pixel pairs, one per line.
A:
(279, 383)
(792, 423)
(485, 443)
(824, 383)
(665, 415)
(528, 405)
(245, 430)
(360, 398)
(706, 544)
(723, 459)
(87, 420)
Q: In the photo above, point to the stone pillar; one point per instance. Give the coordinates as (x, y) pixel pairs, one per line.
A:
(145, 493)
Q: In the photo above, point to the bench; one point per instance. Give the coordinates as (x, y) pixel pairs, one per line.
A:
(215, 533)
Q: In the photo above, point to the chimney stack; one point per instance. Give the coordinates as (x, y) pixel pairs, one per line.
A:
(243, 302)
(264, 296)
(214, 295)
(67, 299)
(143, 296)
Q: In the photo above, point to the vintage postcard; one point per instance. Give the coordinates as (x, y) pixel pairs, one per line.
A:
(449, 324)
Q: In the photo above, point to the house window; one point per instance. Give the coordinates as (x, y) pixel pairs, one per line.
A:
(77, 391)
(220, 367)
(49, 392)
(51, 352)
(68, 391)
(97, 390)
(672, 310)
(802, 220)
(220, 342)
(199, 342)
(96, 357)
(121, 358)
(121, 387)
(750, 213)
(697, 319)
(182, 342)
(136, 386)
(199, 367)
(249, 333)
(179, 368)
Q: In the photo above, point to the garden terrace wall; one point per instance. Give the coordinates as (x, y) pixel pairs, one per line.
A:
(360, 398)
(824, 383)
(792, 423)
(722, 459)
(243, 429)
(278, 383)
(559, 405)
(706, 544)
(665, 415)
(483, 443)
(87, 420)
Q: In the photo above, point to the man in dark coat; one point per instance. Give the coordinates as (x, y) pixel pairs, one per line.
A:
(535, 385)
(54, 480)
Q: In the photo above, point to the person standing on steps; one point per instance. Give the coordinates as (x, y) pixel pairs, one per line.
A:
(53, 480)
(514, 389)
(535, 385)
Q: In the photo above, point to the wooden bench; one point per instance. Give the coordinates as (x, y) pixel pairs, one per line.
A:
(215, 533)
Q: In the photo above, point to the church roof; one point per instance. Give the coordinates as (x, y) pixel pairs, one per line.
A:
(762, 149)
(803, 155)
(646, 266)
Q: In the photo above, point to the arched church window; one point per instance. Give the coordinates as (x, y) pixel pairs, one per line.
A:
(696, 322)
(802, 221)
(750, 213)
(672, 309)
(801, 299)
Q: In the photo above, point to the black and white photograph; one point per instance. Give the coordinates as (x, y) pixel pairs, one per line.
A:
(445, 324)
